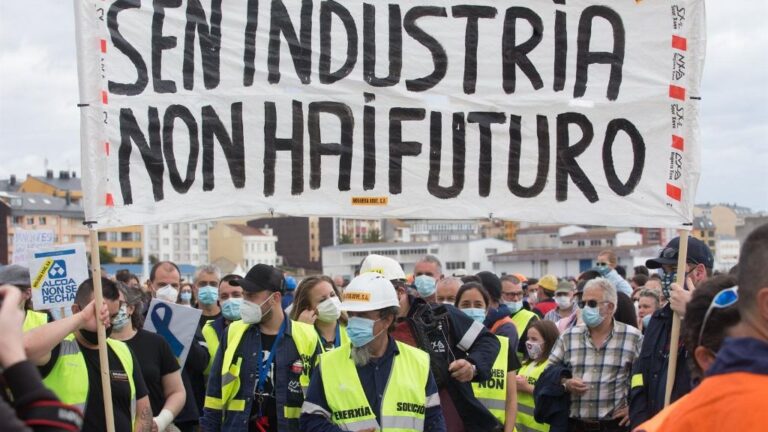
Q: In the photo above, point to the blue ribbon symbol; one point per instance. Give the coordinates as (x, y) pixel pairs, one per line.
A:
(162, 327)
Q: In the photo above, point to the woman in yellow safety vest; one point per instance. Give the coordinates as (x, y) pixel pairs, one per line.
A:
(317, 302)
(498, 394)
(542, 336)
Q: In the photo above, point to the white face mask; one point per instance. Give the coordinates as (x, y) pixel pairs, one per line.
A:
(167, 293)
(563, 302)
(251, 313)
(329, 310)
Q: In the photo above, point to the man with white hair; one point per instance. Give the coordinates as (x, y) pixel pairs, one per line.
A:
(600, 354)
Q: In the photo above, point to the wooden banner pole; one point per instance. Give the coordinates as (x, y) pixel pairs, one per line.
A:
(674, 340)
(101, 332)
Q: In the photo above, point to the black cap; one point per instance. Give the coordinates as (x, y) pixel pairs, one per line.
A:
(261, 277)
(491, 283)
(698, 253)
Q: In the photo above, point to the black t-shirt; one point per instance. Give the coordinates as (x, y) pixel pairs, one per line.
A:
(204, 319)
(269, 403)
(94, 419)
(157, 360)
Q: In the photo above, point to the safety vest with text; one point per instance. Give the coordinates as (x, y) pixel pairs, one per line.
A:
(403, 405)
(493, 392)
(68, 378)
(525, 421)
(304, 337)
(34, 319)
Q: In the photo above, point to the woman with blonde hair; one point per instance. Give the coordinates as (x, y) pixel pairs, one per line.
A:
(316, 302)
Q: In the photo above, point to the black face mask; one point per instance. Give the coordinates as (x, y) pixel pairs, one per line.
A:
(92, 337)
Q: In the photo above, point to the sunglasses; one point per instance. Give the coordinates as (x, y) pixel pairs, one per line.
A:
(725, 298)
(671, 253)
(590, 303)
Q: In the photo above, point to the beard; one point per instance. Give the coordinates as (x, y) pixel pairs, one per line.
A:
(361, 355)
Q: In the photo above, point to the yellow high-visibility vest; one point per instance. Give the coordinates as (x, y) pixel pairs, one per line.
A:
(404, 403)
(34, 319)
(525, 421)
(68, 378)
(493, 392)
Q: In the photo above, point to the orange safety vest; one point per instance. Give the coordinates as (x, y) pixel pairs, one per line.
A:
(729, 402)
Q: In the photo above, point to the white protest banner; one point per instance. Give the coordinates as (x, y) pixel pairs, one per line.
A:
(55, 273)
(26, 241)
(175, 323)
(583, 112)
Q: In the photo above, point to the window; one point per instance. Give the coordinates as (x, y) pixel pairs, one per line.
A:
(30, 221)
(711, 233)
(42, 220)
(455, 265)
(102, 236)
(18, 220)
(609, 242)
(475, 266)
(581, 243)
(594, 242)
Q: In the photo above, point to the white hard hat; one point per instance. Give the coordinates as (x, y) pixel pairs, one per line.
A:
(382, 265)
(368, 292)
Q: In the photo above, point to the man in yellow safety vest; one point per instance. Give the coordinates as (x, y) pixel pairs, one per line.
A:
(391, 388)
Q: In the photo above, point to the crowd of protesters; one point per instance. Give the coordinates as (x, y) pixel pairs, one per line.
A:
(390, 351)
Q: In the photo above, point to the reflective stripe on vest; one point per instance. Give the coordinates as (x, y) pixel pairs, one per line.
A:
(403, 405)
(68, 378)
(34, 319)
(212, 340)
(521, 320)
(493, 393)
(525, 404)
(304, 337)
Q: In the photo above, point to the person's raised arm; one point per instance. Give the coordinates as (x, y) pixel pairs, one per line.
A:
(39, 342)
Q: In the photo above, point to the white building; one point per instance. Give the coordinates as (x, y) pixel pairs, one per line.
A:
(471, 255)
(356, 230)
(567, 261)
(183, 243)
(727, 256)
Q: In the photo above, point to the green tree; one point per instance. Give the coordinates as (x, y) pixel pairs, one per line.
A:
(105, 256)
(345, 239)
(373, 236)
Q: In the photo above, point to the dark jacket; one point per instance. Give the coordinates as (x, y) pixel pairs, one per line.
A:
(194, 381)
(649, 372)
(33, 407)
(431, 324)
(552, 404)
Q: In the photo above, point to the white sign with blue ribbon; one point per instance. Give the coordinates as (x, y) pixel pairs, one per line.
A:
(175, 323)
(55, 273)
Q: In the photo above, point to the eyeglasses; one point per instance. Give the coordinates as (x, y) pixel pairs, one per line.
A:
(671, 253)
(202, 284)
(601, 264)
(590, 303)
(725, 298)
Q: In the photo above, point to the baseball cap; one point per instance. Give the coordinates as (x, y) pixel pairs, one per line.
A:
(548, 282)
(698, 253)
(564, 286)
(491, 283)
(382, 265)
(261, 277)
(15, 274)
(368, 292)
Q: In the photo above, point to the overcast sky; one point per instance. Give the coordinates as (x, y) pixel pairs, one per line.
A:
(39, 120)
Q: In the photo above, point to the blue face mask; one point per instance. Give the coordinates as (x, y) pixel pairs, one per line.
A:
(186, 297)
(208, 295)
(514, 307)
(591, 316)
(121, 319)
(425, 285)
(360, 331)
(231, 308)
(646, 321)
(476, 314)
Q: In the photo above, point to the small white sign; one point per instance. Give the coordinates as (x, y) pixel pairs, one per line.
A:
(27, 241)
(55, 273)
(175, 323)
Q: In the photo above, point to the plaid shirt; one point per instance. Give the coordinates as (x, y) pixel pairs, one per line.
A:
(605, 370)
